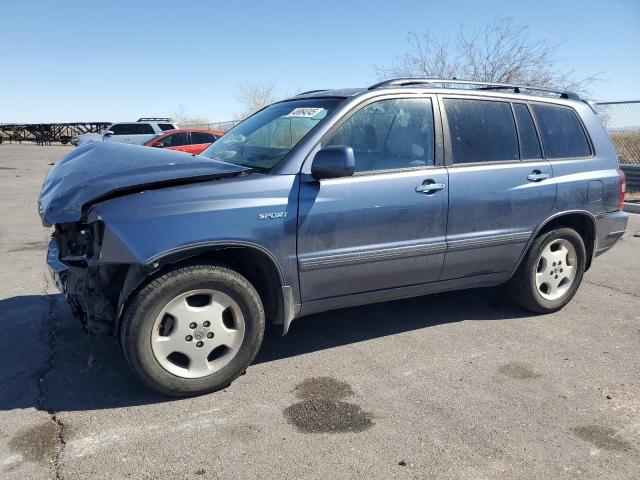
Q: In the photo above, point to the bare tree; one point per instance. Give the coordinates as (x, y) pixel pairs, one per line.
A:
(184, 118)
(501, 52)
(255, 96)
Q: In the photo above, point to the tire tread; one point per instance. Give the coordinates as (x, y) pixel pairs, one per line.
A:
(521, 287)
(145, 296)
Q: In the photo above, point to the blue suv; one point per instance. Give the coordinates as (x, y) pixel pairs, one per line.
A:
(329, 199)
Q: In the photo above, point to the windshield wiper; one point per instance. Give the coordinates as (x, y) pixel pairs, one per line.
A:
(255, 168)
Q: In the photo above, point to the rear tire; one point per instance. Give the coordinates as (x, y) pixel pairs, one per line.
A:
(193, 330)
(551, 272)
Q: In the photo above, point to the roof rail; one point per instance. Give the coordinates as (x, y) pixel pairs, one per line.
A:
(312, 91)
(154, 119)
(405, 82)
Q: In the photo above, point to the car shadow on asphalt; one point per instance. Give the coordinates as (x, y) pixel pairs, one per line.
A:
(357, 324)
(51, 364)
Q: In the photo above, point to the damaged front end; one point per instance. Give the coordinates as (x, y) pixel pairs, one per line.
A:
(91, 288)
(82, 249)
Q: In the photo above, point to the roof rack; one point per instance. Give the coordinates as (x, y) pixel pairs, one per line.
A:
(312, 91)
(405, 82)
(154, 119)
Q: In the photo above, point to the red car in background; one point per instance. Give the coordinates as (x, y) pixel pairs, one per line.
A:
(185, 140)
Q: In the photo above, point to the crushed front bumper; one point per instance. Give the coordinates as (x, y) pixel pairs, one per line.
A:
(79, 285)
(58, 270)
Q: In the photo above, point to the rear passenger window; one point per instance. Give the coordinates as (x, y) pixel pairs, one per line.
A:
(144, 129)
(561, 132)
(529, 144)
(481, 130)
(389, 134)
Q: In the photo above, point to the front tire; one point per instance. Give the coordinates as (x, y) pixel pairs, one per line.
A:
(551, 272)
(192, 330)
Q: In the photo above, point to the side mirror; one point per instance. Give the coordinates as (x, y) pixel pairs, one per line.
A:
(333, 162)
(108, 133)
(158, 145)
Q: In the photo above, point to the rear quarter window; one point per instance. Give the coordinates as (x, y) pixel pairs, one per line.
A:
(166, 126)
(561, 131)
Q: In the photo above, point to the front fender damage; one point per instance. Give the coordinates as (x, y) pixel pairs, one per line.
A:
(92, 288)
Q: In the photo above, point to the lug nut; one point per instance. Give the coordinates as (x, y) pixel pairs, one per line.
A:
(188, 338)
(193, 325)
(210, 335)
(199, 344)
(206, 324)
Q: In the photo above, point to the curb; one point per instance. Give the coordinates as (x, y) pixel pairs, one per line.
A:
(631, 207)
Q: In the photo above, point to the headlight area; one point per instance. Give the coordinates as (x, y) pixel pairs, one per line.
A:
(91, 288)
(78, 244)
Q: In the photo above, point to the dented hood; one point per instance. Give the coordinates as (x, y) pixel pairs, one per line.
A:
(100, 170)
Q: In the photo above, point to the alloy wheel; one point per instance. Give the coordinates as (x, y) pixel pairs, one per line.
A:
(556, 269)
(197, 333)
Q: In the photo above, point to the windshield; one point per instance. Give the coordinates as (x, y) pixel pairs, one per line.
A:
(264, 139)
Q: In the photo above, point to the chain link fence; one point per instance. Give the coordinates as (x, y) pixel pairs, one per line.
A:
(220, 126)
(622, 120)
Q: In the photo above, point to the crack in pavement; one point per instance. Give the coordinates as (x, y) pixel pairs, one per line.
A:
(612, 288)
(42, 393)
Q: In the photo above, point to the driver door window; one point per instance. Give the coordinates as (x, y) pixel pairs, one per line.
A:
(390, 134)
(179, 139)
(175, 140)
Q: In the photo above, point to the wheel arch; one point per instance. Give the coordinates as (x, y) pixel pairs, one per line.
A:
(581, 221)
(255, 263)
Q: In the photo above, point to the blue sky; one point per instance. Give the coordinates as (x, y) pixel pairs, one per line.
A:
(118, 60)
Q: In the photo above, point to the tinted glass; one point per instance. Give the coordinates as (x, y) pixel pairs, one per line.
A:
(389, 134)
(481, 130)
(176, 140)
(123, 129)
(144, 129)
(166, 126)
(561, 132)
(201, 137)
(265, 138)
(529, 144)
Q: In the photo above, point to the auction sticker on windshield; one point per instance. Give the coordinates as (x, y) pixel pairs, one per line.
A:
(305, 112)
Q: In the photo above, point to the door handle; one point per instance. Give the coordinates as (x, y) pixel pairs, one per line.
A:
(537, 176)
(428, 188)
